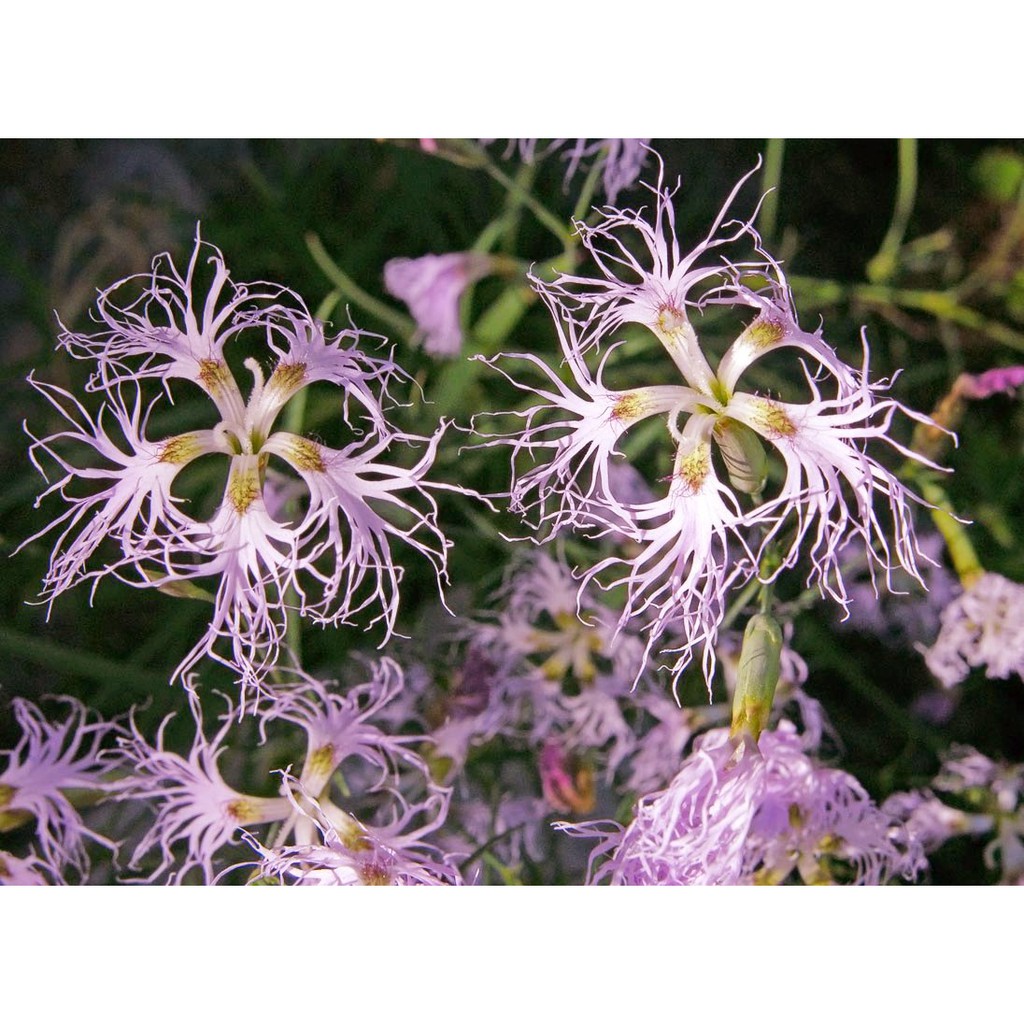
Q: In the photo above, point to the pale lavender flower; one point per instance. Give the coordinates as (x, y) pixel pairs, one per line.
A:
(703, 536)
(982, 628)
(197, 813)
(513, 829)
(930, 821)
(741, 813)
(659, 750)
(338, 726)
(50, 759)
(809, 815)
(990, 801)
(693, 832)
(432, 286)
(623, 161)
(326, 553)
(350, 852)
(595, 720)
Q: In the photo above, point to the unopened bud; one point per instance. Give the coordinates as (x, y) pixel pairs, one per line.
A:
(743, 454)
(760, 666)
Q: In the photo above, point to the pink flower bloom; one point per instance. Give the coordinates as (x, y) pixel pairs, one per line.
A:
(432, 287)
(349, 852)
(983, 627)
(704, 535)
(49, 760)
(194, 807)
(567, 784)
(338, 726)
(320, 541)
(740, 813)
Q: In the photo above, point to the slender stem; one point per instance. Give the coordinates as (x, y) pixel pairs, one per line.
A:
(746, 595)
(69, 660)
(402, 324)
(882, 265)
(541, 212)
(326, 308)
(586, 196)
(943, 305)
(961, 551)
(770, 180)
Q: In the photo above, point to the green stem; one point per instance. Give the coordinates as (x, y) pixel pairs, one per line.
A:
(882, 266)
(396, 321)
(961, 551)
(541, 212)
(83, 664)
(586, 196)
(943, 305)
(773, 153)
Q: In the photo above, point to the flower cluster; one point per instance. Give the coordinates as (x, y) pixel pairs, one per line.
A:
(705, 533)
(300, 525)
(377, 839)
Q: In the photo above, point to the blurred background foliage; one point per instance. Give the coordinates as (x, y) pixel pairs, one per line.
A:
(922, 244)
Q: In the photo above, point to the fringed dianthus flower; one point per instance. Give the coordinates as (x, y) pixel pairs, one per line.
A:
(709, 530)
(300, 525)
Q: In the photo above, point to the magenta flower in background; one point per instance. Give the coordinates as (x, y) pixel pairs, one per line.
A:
(50, 759)
(432, 286)
(320, 542)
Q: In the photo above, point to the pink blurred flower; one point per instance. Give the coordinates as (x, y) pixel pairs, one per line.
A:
(983, 627)
(432, 287)
(1001, 379)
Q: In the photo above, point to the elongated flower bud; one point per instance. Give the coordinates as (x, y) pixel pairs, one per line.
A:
(743, 454)
(760, 665)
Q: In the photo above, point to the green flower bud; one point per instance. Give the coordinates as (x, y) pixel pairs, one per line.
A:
(743, 454)
(760, 665)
